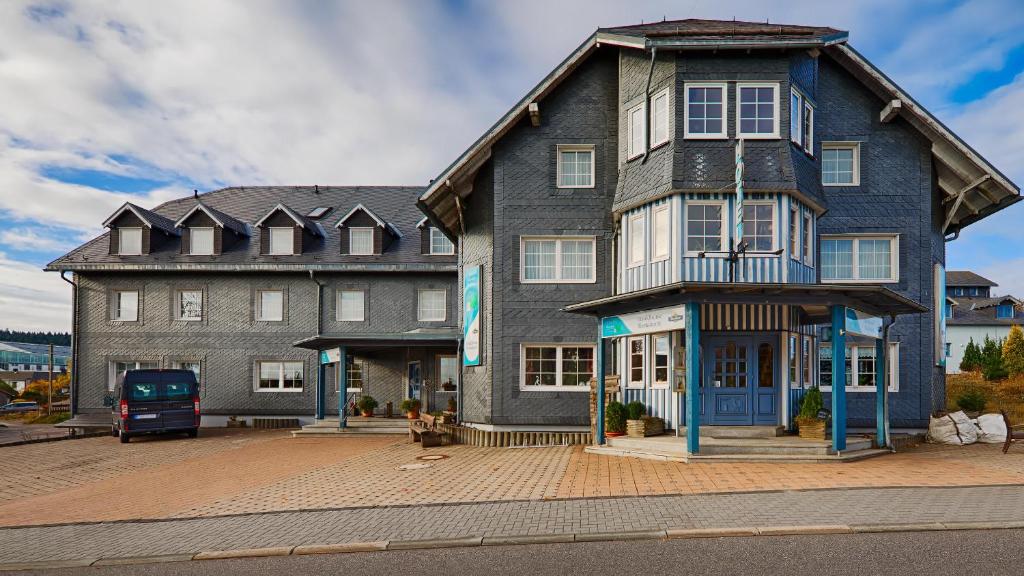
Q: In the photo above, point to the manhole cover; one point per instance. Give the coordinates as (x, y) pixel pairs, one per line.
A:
(431, 457)
(414, 466)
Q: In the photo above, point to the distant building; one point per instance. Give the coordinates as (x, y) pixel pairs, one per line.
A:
(973, 313)
(21, 363)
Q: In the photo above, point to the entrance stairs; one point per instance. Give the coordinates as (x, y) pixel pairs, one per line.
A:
(355, 426)
(739, 444)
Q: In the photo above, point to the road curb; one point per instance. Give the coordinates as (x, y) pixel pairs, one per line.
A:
(803, 530)
(910, 527)
(244, 553)
(633, 535)
(47, 564)
(435, 543)
(341, 548)
(131, 560)
(676, 533)
(982, 525)
(529, 539)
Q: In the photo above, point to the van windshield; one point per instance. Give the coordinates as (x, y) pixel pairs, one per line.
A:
(142, 391)
(178, 390)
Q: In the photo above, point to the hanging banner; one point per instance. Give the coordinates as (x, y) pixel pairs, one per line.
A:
(330, 356)
(939, 313)
(646, 322)
(471, 316)
(739, 192)
(863, 324)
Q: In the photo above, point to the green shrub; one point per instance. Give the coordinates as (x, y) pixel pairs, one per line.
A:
(366, 404)
(635, 410)
(1013, 352)
(811, 404)
(972, 360)
(615, 417)
(992, 367)
(972, 400)
(410, 405)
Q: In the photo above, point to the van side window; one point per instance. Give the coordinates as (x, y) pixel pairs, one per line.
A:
(142, 391)
(178, 390)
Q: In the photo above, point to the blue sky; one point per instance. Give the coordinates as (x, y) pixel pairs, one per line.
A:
(144, 101)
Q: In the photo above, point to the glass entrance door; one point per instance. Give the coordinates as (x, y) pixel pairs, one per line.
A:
(728, 381)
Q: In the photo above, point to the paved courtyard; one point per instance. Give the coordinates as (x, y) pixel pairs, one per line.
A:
(228, 472)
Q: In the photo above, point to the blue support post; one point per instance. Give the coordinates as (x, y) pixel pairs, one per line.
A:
(881, 382)
(838, 378)
(599, 425)
(343, 388)
(320, 387)
(693, 377)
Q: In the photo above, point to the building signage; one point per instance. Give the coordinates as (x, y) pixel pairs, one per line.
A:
(330, 356)
(939, 313)
(471, 316)
(646, 322)
(863, 324)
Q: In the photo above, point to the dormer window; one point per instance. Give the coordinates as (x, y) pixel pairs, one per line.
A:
(201, 241)
(282, 241)
(439, 243)
(1004, 311)
(129, 241)
(360, 241)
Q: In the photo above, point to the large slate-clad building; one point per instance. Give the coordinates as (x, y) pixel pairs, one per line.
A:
(719, 214)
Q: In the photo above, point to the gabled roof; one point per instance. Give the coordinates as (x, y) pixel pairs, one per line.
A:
(149, 218)
(966, 278)
(982, 312)
(696, 32)
(982, 303)
(222, 219)
(302, 221)
(380, 222)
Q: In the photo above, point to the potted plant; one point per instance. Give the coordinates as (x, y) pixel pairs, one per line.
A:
(639, 424)
(366, 405)
(448, 385)
(615, 419)
(411, 408)
(448, 416)
(809, 424)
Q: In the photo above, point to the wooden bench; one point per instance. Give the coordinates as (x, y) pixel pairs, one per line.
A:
(1011, 434)
(424, 431)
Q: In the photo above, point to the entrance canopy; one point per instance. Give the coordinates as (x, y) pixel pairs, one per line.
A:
(815, 300)
(437, 337)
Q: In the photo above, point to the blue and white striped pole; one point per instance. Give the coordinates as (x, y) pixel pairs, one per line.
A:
(739, 192)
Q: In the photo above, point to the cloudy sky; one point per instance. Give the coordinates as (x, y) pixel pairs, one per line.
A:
(143, 100)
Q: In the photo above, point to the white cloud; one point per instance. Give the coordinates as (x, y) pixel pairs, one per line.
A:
(31, 299)
(39, 239)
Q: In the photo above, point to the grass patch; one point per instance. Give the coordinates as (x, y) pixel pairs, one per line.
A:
(55, 418)
(1003, 395)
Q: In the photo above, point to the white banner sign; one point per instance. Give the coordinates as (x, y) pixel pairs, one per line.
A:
(645, 322)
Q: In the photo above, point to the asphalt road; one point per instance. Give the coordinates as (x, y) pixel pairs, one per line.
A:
(988, 552)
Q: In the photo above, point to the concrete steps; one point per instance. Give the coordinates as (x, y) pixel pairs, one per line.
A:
(738, 431)
(355, 426)
(774, 449)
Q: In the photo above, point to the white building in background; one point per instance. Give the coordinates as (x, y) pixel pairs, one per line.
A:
(973, 313)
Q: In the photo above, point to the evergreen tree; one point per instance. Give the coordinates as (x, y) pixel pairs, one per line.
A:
(992, 360)
(972, 360)
(1013, 352)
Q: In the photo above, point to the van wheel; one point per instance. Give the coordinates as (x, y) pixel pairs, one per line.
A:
(193, 433)
(124, 438)
(113, 432)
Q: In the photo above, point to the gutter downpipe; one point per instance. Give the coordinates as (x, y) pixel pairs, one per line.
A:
(885, 386)
(74, 342)
(321, 384)
(647, 111)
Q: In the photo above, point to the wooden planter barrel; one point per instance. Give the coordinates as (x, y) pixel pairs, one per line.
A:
(646, 426)
(811, 428)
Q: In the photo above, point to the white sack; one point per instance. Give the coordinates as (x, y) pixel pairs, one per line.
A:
(993, 429)
(955, 428)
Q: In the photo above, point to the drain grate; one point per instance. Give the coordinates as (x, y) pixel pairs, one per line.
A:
(432, 457)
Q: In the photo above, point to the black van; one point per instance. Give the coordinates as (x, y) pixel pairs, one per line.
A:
(154, 401)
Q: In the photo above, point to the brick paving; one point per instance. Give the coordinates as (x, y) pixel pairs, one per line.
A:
(579, 516)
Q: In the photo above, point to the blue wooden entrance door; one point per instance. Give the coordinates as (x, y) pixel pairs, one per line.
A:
(728, 381)
(741, 381)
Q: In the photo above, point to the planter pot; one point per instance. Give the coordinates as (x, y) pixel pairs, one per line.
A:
(811, 429)
(367, 414)
(412, 415)
(614, 434)
(646, 426)
(447, 417)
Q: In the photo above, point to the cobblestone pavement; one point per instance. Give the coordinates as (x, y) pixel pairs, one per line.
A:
(579, 516)
(227, 472)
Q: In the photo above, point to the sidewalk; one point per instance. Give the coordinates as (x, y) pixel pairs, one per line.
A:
(642, 516)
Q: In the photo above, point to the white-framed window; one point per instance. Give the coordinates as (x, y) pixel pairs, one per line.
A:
(360, 241)
(282, 241)
(808, 234)
(270, 305)
(189, 304)
(557, 260)
(757, 114)
(440, 244)
(705, 227)
(564, 367)
(431, 305)
(808, 343)
(759, 226)
(661, 353)
(351, 306)
(706, 109)
(194, 365)
(794, 233)
(840, 163)
(355, 373)
(659, 118)
(125, 306)
(575, 166)
(276, 376)
(662, 233)
(637, 252)
(861, 367)
(635, 362)
(200, 242)
(117, 367)
(860, 259)
(808, 125)
(129, 241)
(795, 115)
(636, 133)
